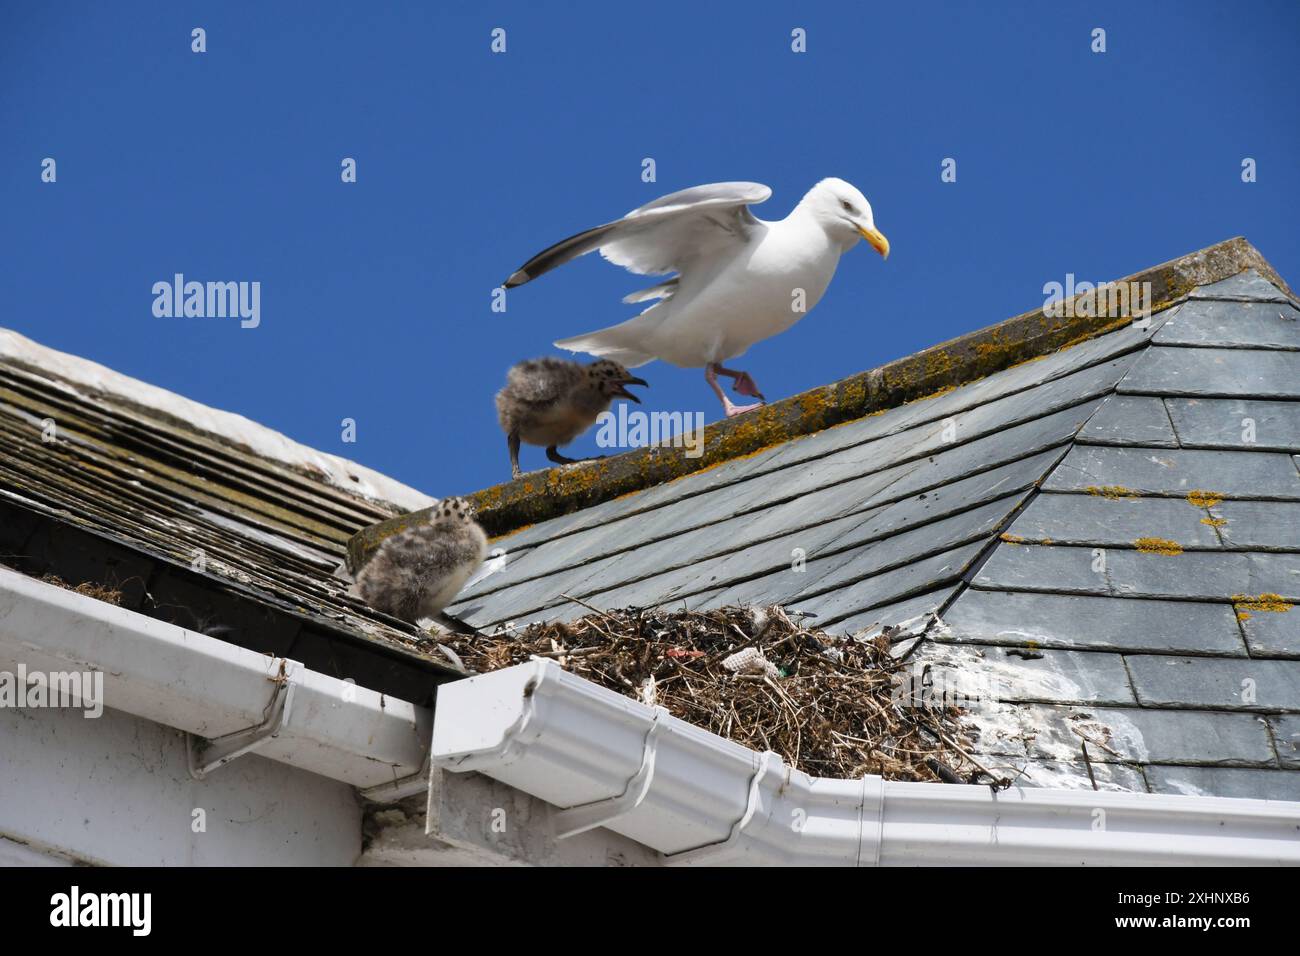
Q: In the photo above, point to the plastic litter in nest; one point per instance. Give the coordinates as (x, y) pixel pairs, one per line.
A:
(828, 704)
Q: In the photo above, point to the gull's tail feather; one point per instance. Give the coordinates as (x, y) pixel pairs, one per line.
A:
(623, 343)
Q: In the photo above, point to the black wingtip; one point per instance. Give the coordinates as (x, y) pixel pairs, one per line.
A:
(517, 279)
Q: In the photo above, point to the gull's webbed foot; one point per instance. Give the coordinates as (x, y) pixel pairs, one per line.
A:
(745, 385)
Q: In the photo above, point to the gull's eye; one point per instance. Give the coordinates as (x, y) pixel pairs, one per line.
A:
(848, 206)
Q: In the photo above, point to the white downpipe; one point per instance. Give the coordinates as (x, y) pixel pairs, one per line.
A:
(206, 687)
(700, 799)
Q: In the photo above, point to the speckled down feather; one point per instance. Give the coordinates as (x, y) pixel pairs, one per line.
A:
(416, 573)
(538, 381)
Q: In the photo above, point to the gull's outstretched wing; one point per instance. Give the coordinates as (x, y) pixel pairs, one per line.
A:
(663, 236)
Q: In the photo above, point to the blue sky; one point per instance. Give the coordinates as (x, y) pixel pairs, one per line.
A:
(376, 296)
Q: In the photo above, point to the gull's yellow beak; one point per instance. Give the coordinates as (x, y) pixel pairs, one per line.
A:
(877, 240)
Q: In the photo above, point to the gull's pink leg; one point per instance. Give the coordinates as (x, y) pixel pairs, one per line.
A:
(744, 383)
(711, 376)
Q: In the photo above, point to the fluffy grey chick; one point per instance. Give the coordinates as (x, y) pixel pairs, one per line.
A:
(416, 573)
(551, 401)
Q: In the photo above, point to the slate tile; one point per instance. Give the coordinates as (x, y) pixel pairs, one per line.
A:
(1245, 324)
(1001, 439)
(1094, 519)
(1102, 623)
(745, 535)
(1272, 633)
(1089, 368)
(1023, 449)
(870, 558)
(1248, 284)
(1007, 674)
(879, 537)
(552, 528)
(895, 613)
(903, 510)
(1177, 471)
(1236, 423)
(714, 510)
(1144, 736)
(1130, 420)
(1222, 683)
(1286, 736)
(962, 494)
(1215, 372)
(1258, 524)
(692, 557)
(1248, 784)
(893, 585)
(1131, 573)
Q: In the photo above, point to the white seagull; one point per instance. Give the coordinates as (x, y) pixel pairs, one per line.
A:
(739, 279)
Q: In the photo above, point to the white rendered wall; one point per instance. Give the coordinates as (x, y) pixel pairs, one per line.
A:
(116, 790)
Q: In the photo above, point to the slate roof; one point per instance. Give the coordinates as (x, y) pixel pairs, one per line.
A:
(125, 494)
(1100, 529)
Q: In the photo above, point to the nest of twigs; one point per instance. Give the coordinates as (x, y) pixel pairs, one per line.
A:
(100, 592)
(827, 704)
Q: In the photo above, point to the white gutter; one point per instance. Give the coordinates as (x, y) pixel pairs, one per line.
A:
(700, 799)
(214, 690)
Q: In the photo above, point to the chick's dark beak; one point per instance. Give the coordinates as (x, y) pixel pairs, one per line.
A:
(620, 390)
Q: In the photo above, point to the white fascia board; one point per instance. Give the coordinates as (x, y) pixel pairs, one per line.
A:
(700, 799)
(206, 687)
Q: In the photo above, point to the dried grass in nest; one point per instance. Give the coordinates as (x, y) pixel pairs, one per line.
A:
(826, 704)
(100, 592)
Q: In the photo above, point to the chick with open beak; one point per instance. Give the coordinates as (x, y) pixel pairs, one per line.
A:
(551, 401)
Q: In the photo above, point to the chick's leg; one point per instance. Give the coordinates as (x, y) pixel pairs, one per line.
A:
(553, 453)
(512, 440)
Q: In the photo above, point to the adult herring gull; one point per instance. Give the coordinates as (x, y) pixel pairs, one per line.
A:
(738, 279)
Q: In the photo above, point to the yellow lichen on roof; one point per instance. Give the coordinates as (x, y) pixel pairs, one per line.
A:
(1262, 602)
(1204, 499)
(1113, 492)
(1094, 333)
(1158, 546)
(935, 394)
